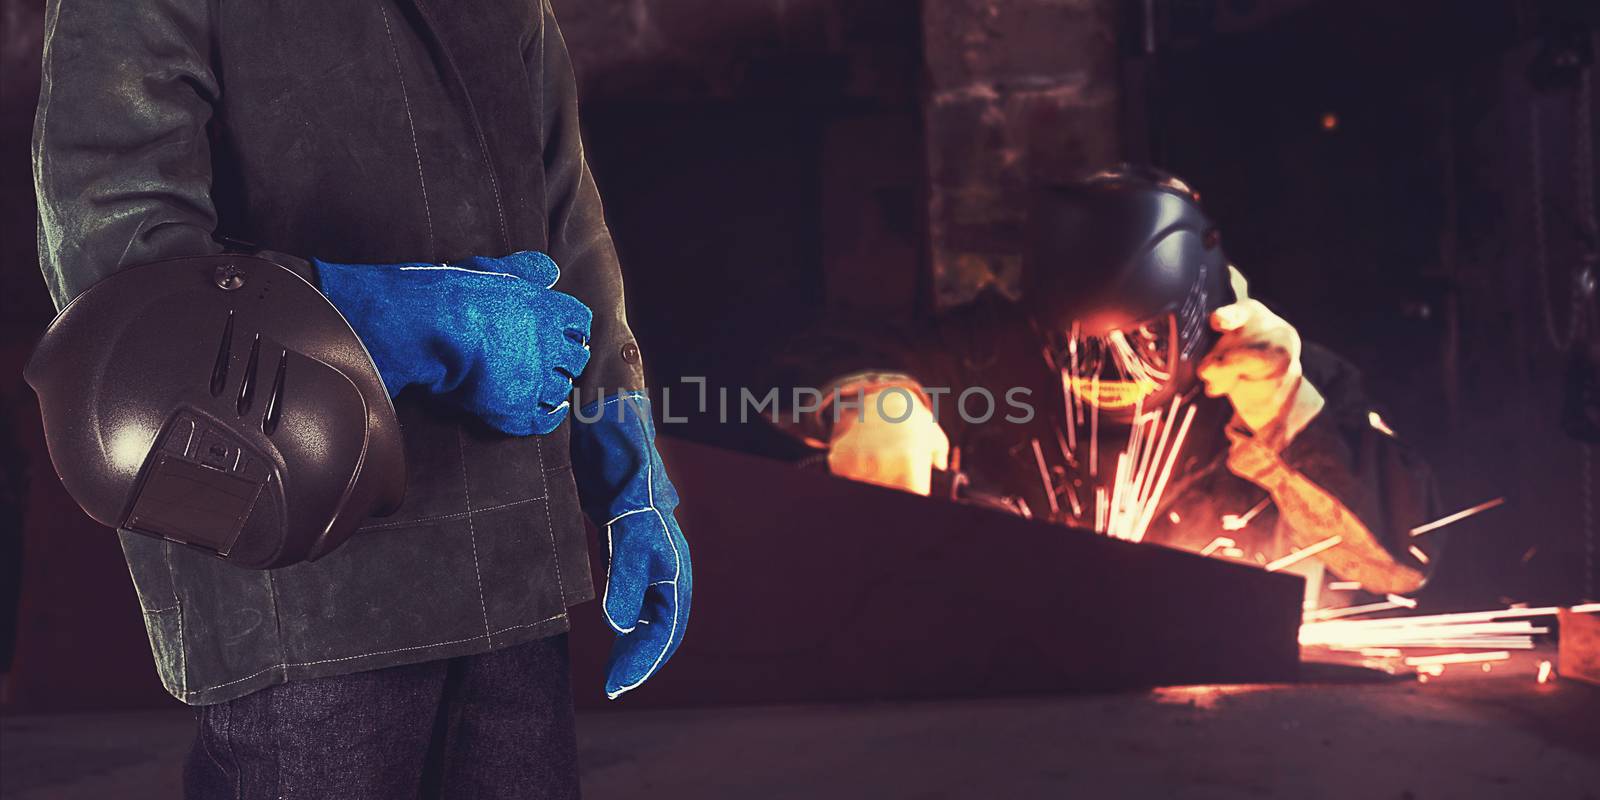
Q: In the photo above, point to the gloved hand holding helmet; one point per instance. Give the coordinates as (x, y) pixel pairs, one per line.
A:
(274, 438)
(221, 402)
(491, 333)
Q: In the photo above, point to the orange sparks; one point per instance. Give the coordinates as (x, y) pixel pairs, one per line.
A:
(1458, 658)
(1344, 586)
(1505, 629)
(1126, 509)
(1461, 617)
(1416, 552)
(1457, 517)
(1094, 431)
(1379, 425)
(1237, 522)
(1352, 611)
(1044, 478)
(1545, 672)
(1304, 553)
(1072, 420)
(1216, 544)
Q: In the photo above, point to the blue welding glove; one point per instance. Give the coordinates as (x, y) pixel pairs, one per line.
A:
(490, 333)
(624, 487)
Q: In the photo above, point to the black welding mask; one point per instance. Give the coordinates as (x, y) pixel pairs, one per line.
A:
(220, 402)
(1122, 272)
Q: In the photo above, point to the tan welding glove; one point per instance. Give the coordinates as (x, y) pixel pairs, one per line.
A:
(893, 440)
(1256, 364)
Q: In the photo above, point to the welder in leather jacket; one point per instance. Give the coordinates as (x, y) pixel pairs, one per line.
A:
(1130, 314)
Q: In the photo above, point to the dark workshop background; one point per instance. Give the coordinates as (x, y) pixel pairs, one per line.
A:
(1377, 169)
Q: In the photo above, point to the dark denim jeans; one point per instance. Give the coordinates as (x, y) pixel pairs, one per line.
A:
(496, 725)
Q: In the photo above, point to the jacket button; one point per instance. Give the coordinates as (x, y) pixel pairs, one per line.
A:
(228, 277)
(630, 353)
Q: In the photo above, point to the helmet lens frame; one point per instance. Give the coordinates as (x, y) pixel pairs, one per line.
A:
(1119, 369)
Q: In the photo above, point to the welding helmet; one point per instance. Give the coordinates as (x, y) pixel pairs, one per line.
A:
(1121, 274)
(220, 402)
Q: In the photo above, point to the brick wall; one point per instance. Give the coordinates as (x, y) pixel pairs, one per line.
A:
(1018, 91)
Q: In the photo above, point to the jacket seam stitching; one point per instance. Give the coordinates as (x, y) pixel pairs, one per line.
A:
(550, 527)
(544, 178)
(411, 124)
(277, 629)
(177, 603)
(476, 123)
(444, 517)
(472, 530)
(287, 665)
(183, 655)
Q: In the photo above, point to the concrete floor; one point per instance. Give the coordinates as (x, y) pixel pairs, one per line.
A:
(1465, 734)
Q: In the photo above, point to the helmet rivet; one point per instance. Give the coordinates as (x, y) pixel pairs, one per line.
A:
(228, 277)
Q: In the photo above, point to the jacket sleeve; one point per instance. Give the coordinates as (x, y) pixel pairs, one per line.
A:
(121, 158)
(579, 240)
(121, 164)
(1348, 451)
